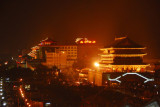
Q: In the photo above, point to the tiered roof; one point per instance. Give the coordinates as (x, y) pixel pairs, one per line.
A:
(47, 41)
(124, 42)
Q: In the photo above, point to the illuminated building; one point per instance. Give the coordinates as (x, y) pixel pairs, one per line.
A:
(71, 52)
(50, 53)
(58, 59)
(83, 52)
(33, 53)
(46, 45)
(123, 55)
(83, 74)
(121, 62)
(84, 41)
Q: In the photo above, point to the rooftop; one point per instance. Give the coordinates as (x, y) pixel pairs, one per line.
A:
(124, 42)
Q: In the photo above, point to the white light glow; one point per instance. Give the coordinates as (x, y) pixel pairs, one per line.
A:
(4, 103)
(96, 64)
(117, 79)
(7, 79)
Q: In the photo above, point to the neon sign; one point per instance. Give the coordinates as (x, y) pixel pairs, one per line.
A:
(146, 79)
(86, 41)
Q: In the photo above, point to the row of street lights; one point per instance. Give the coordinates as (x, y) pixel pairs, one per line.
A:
(3, 103)
(23, 96)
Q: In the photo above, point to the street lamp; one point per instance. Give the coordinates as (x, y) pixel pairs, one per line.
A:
(96, 64)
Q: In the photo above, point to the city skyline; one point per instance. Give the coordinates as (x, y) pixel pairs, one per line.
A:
(73, 53)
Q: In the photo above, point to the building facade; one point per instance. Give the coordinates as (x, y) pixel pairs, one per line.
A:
(54, 55)
(58, 59)
(121, 62)
(83, 53)
(124, 55)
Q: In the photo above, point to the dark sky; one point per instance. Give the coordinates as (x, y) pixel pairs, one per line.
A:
(23, 23)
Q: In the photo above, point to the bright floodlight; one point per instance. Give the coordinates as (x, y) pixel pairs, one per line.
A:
(96, 64)
(4, 103)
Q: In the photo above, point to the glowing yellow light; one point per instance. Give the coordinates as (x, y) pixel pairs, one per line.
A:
(93, 41)
(89, 41)
(85, 41)
(22, 95)
(6, 63)
(96, 64)
(81, 41)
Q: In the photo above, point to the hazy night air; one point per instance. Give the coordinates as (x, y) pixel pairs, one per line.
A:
(24, 23)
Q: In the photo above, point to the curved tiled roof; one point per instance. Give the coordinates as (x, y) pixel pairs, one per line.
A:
(124, 42)
(47, 41)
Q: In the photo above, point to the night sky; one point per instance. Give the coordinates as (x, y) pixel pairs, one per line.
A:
(23, 23)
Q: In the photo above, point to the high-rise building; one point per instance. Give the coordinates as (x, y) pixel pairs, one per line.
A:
(58, 59)
(51, 54)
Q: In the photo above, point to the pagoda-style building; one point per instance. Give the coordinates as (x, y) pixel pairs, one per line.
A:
(124, 55)
(38, 52)
(121, 63)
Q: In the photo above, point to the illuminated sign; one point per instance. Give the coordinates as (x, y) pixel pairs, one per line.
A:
(117, 79)
(86, 41)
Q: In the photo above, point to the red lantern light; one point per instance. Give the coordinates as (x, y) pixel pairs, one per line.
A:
(20, 56)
